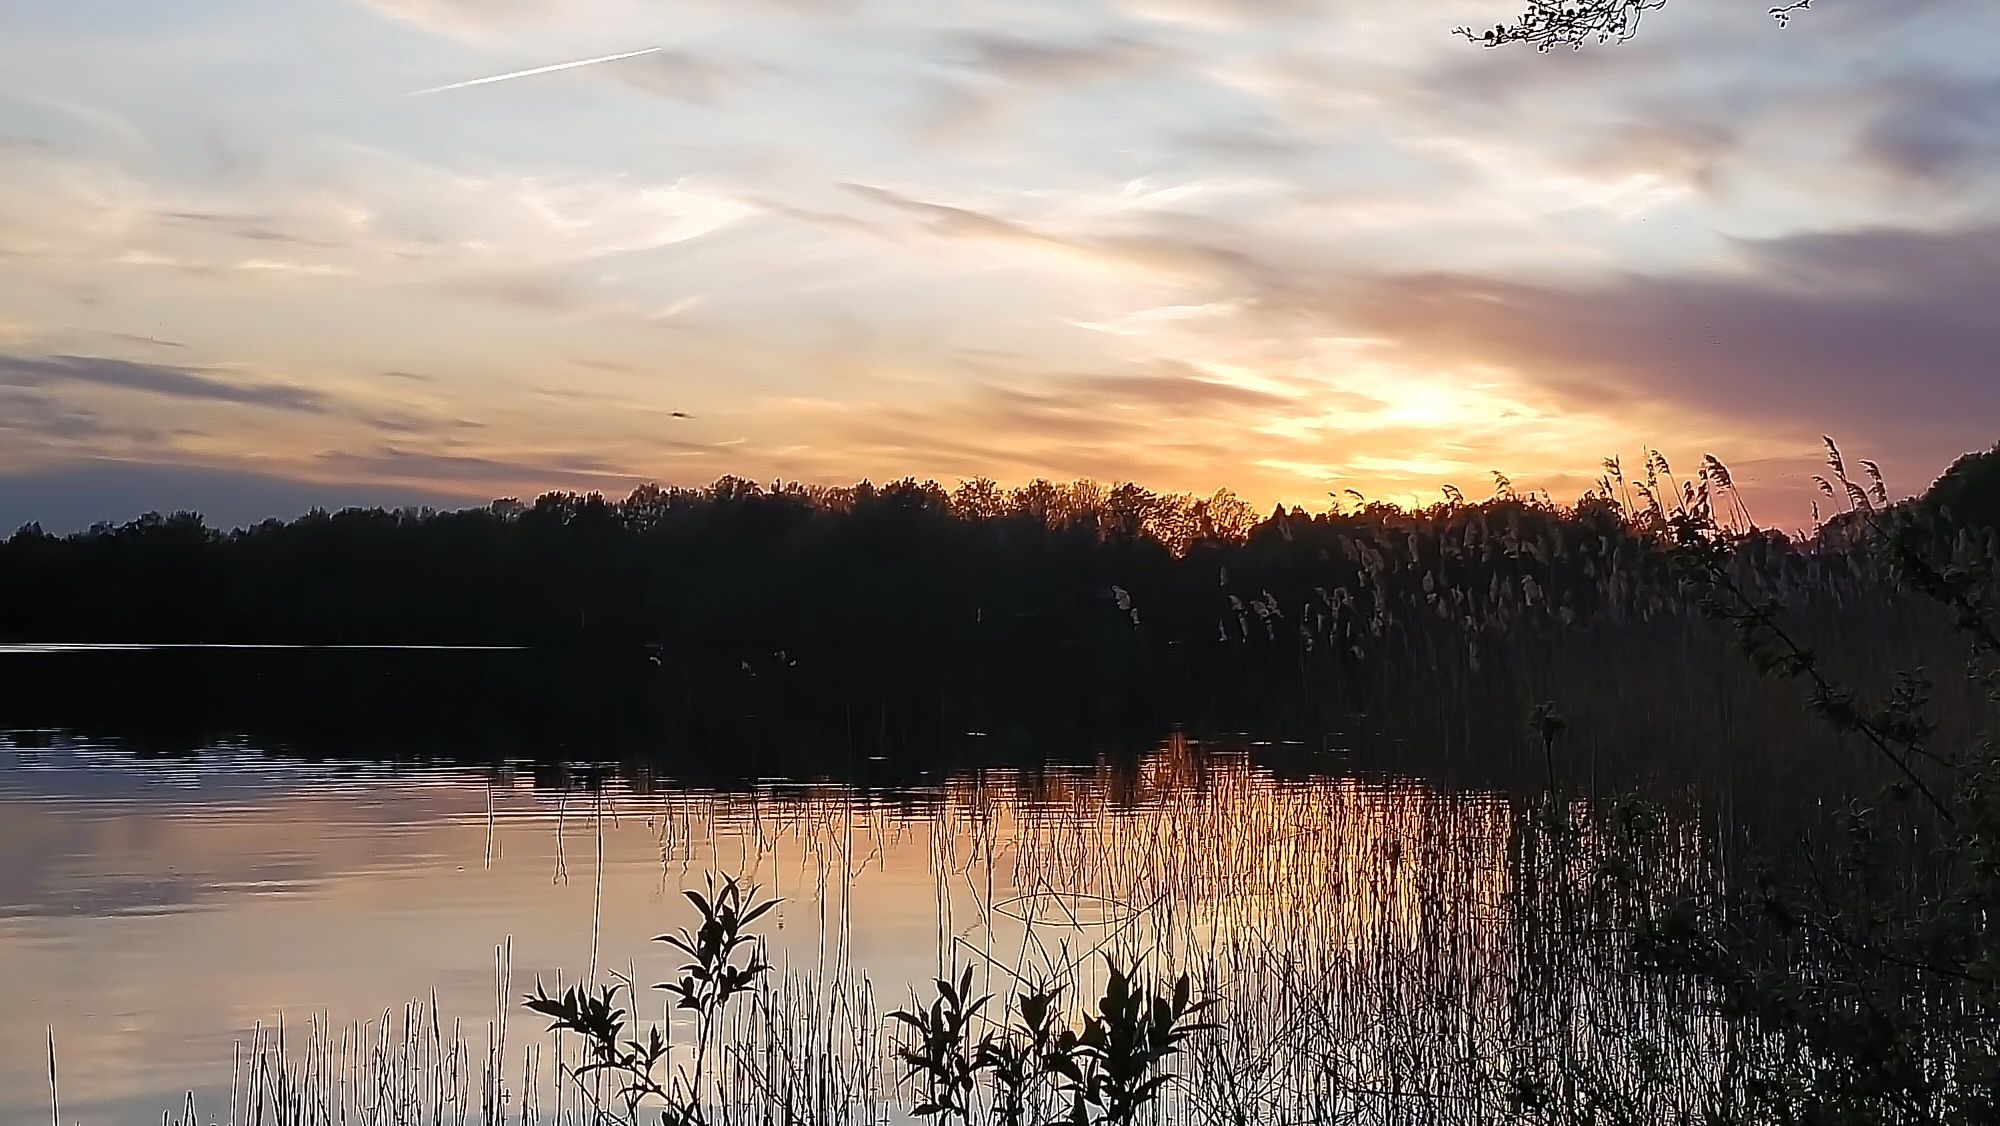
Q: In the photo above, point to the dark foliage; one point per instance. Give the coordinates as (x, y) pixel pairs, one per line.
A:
(1857, 973)
(1967, 495)
(771, 578)
(1548, 24)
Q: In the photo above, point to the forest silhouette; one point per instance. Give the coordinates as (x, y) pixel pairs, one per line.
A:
(909, 577)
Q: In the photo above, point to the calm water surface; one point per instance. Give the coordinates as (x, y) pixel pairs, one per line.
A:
(152, 913)
(157, 908)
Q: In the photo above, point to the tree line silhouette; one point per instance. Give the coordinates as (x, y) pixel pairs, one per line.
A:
(761, 579)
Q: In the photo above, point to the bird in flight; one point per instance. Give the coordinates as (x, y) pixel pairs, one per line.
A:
(531, 71)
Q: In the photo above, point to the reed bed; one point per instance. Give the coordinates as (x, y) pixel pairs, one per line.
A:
(1378, 951)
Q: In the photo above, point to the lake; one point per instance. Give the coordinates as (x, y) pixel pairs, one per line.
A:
(195, 846)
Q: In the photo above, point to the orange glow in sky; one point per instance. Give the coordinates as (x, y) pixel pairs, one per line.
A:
(1286, 247)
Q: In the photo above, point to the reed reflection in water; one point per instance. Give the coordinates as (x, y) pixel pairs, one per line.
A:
(1386, 950)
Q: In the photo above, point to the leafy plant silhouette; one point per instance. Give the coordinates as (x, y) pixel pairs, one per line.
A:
(942, 1051)
(1019, 1060)
(1109, 1066)
(709, 980)
(1113, 1064)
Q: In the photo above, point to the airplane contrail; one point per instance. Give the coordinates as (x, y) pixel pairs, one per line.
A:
(534, 71)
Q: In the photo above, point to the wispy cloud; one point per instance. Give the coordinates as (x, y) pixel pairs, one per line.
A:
(31, 415)
(1185, 253)
(1054, 62)
(156, 379)
(152, 341)
(401, 464)
(469, 19)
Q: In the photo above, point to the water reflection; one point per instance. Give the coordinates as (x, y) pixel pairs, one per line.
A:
(152, 913)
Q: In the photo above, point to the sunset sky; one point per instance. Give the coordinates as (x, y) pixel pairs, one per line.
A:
(1288, 246)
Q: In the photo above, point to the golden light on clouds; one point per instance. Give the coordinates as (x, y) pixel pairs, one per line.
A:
(1284, 248)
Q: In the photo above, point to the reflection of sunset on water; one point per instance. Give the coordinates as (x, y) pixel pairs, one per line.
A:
(157, 912)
